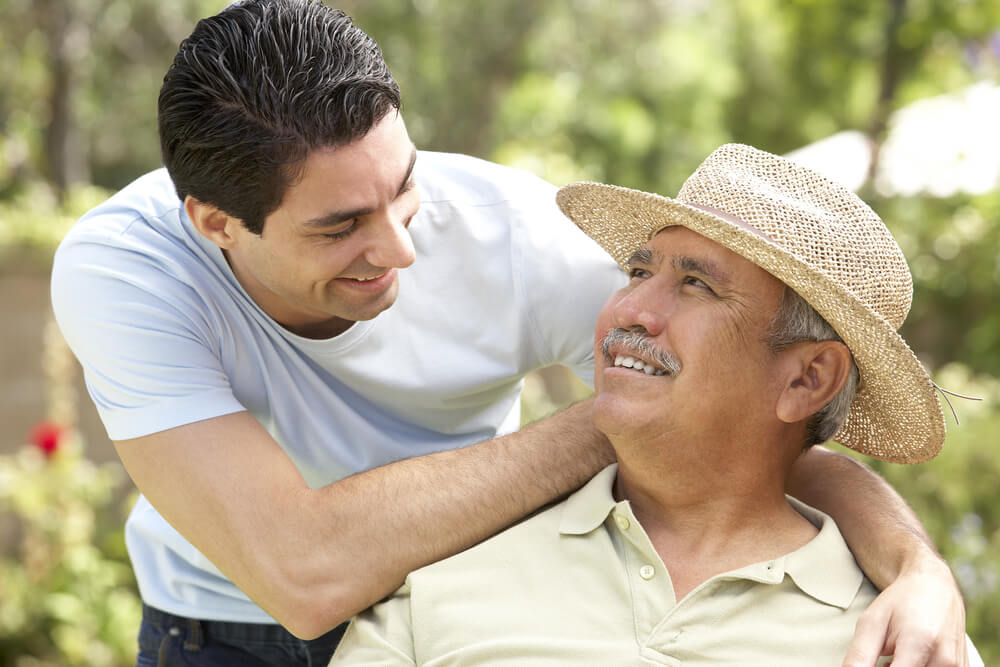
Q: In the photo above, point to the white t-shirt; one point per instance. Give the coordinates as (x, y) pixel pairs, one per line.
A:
(503, 284)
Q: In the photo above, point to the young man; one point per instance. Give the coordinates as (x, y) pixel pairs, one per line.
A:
(714, 374)
(275, 318)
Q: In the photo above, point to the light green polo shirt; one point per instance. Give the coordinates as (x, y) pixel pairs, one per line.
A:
(580, 584)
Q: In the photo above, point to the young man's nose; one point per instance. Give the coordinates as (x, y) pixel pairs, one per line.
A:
(391, 246)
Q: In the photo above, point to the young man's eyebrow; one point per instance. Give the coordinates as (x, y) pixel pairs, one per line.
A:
(405, 185)
(337, 217)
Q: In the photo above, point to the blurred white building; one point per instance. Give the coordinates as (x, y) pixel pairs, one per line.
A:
(938, 146)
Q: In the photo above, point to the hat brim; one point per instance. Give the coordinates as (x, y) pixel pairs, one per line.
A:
(895, 416)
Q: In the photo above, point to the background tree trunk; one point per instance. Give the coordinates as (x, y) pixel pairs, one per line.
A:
(890, 76)
(65, 152)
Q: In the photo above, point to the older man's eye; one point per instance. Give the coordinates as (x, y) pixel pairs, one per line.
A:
(638, 273)
(697, 282)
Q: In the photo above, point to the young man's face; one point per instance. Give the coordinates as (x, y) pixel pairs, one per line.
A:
(329, 255)
(707, 308)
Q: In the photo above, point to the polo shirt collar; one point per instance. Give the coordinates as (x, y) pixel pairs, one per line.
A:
(824, 568)
(586, 510)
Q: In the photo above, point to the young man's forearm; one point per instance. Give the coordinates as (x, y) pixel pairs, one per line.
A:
(312, 558)
(877, 524)
(919, 617)
(424, 509)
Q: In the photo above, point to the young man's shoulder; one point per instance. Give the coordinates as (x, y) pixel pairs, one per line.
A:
(142, 225)
(149, 197)
(464, 179)
(135, 245)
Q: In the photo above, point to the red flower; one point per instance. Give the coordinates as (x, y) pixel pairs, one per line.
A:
(47, 436)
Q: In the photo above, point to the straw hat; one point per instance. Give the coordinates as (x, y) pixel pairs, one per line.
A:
(821, 240)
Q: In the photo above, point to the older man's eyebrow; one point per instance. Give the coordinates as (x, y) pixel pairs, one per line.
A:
(703, 267)
(644, 257)
(336, 217)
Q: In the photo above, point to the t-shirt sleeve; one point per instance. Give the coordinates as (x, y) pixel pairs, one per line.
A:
(564, 277)
(975, 660)
(150, 362)
(380, 635)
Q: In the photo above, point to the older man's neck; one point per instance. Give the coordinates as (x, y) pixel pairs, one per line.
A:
(708, 519)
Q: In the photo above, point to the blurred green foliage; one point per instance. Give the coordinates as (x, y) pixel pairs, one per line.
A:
(68, 594)
(34, 218)
(634, 93)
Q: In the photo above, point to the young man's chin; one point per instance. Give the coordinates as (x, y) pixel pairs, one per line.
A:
(369, 308)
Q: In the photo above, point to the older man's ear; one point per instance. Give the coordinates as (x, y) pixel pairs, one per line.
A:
(815, 374)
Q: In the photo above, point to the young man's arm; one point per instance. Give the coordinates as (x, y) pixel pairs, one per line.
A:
(312, 558)
(919, 617)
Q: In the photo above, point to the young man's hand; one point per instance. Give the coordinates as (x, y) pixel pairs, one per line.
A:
(919, 619)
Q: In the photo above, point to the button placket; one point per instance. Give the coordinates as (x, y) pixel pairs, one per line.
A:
(651, 588)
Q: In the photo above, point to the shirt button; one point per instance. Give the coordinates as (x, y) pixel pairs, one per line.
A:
(622, 521)
(647, 571)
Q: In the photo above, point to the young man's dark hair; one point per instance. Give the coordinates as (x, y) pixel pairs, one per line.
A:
(254, 89)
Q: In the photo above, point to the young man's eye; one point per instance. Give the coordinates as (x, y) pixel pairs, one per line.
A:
(342, 234)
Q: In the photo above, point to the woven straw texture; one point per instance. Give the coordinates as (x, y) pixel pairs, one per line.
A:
(818, 238)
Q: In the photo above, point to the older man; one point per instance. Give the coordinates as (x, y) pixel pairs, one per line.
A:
(760, 319)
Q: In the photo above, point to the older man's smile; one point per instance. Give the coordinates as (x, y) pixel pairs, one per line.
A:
(646, 367)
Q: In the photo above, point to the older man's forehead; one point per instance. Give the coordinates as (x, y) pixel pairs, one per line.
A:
(709, 259)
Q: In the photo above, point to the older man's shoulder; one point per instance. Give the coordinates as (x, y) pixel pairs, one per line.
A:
(506, 552)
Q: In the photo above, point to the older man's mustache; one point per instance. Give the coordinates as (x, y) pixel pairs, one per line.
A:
(639, 342)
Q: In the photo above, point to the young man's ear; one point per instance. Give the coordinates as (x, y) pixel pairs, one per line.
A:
(818, 371)
(215, 225)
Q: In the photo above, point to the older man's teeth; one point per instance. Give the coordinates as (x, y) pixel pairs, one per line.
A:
(637, 364)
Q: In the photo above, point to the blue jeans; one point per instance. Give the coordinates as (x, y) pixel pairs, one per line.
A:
(166, 640)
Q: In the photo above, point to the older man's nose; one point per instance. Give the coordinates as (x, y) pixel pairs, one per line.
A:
(640, 310)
